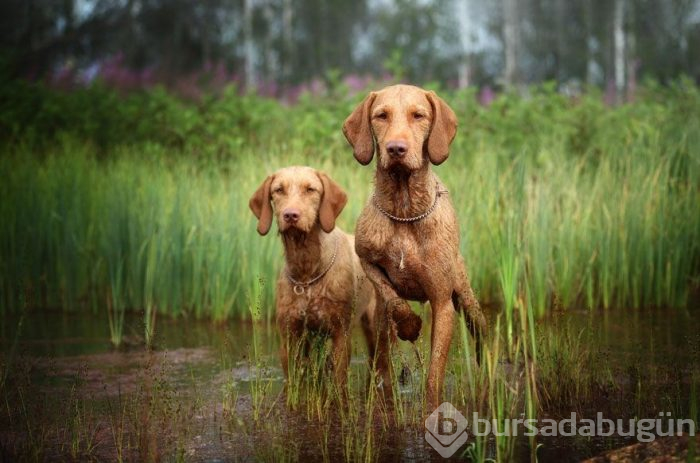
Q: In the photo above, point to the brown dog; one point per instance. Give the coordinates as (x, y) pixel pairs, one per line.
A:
(323, 282)
(407, 236)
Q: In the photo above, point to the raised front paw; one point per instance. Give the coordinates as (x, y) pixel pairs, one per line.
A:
(408, 323)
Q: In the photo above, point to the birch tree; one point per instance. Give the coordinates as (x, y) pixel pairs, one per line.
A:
(464, 15)
(619, 48)
(511, 33)
(249, 45)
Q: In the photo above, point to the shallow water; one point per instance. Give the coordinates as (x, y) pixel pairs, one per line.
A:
(199, 387)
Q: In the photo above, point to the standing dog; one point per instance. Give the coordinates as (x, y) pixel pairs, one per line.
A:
(407, 236)
(323, 281)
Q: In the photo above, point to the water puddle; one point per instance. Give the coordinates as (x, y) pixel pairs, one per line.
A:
(216, 392)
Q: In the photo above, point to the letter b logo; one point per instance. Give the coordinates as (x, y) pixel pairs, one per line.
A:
(446, 429)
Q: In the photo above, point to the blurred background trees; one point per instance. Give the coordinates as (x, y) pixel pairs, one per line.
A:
(274, 45)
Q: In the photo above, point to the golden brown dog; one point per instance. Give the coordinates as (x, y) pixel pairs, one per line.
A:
(323, 281)
(407, 236)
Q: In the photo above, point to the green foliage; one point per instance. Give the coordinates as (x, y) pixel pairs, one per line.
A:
(140, 201)
(37, 117)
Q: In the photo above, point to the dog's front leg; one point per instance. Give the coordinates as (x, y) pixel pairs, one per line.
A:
(285, 340)
(284, 358)
(382, 355)
(440, 340)
(341, 359)
(290, 338)
(408, 323)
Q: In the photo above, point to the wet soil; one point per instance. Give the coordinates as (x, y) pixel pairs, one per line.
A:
(216, 393)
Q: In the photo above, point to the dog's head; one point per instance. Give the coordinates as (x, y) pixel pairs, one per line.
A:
(405, 124)
(300, 198)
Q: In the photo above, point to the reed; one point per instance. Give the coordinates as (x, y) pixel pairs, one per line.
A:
(578, 203)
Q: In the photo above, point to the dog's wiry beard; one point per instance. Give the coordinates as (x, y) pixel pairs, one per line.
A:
(399, 172)
(404, 191)
(293, 235)
(403, 168)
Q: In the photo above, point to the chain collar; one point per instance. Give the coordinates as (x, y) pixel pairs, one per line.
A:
(299, 286)
(438, 193)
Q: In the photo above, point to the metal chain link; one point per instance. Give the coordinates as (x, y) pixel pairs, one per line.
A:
(425, 214)
(303, 285)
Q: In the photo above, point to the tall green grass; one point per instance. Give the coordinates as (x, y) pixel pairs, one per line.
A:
(569, 202)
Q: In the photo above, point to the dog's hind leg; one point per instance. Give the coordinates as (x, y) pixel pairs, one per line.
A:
(465, 302)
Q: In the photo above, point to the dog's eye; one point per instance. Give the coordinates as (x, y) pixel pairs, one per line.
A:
(418, 116)
(381, 116)
(278, 190)
(310, 189)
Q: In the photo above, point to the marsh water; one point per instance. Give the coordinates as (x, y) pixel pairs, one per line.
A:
(193, 396)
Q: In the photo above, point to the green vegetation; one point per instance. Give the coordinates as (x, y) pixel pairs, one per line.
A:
(151, 406)
(140, 202)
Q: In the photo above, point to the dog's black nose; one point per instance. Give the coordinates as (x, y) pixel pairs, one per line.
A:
(396, 148)
(291, 215)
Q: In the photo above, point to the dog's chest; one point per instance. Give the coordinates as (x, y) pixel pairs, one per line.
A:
(317, 307)
(402, 260)
(313, 312)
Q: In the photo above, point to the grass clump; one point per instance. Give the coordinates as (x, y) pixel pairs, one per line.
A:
(568, 201)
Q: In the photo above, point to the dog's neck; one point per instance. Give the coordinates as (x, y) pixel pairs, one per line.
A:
(406, 194)
(307, 254)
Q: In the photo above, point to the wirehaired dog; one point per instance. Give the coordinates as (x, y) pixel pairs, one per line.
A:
(322, 283)
(407, 236)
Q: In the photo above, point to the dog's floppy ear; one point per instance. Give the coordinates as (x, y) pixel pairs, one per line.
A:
(332, 202)
(260, 205)
(442, 131)
(358, 130)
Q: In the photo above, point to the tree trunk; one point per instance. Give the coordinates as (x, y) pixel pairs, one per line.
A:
(465, 25)
(630, 54)
(619, 48)
(561, 40)
(590, 44)
(249, 46)
(271, 60)
(511, 35)
(287, 38)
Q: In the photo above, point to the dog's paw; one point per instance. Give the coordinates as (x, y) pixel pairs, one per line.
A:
(408, 323)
